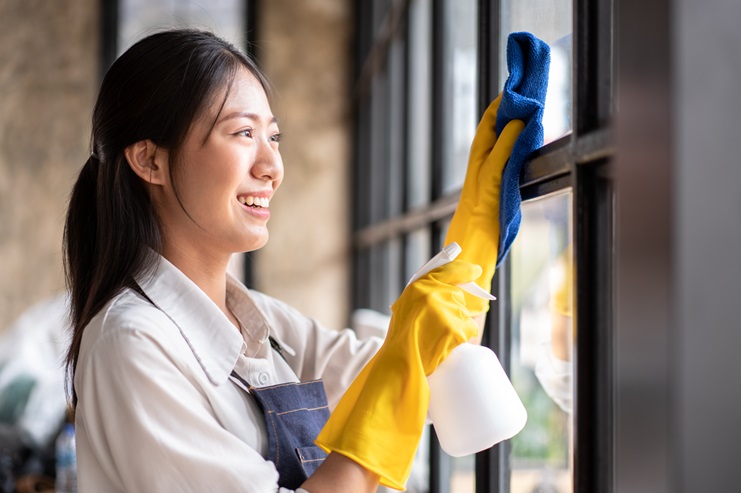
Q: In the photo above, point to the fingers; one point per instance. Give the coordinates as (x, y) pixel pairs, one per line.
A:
(456, 334)
(491, 159)
(469, 328)
(497, 159)
(486, 135)
(503, 150)
(456, 272)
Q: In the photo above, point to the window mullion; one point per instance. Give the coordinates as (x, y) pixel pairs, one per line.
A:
(491, 464)
(592, 68)
(593, 238)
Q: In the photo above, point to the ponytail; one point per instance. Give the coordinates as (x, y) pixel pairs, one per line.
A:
(109, 229)
(79, 235)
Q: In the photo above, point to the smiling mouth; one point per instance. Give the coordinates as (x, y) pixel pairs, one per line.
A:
(250, 201)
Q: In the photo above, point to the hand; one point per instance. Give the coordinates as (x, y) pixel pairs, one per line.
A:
(475, 225)
(379, 420)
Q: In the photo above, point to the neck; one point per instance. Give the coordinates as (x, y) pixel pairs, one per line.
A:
(206, 270)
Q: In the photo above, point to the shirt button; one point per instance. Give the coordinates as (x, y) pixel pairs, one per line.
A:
(263, 378)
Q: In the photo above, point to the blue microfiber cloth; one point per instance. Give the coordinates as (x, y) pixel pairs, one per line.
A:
(523, 98)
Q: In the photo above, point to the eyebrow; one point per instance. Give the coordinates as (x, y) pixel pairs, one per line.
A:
(245, 114)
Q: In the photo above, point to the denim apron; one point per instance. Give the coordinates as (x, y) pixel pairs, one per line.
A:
(294, 415)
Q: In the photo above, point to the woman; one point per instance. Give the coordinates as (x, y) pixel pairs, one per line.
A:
(183, 379)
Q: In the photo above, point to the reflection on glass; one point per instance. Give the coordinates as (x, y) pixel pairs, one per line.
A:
(542, 346)
(551, 21)
(138, 18)
(459, 118)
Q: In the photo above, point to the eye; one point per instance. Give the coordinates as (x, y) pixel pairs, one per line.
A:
(247, 132)
(276, 137)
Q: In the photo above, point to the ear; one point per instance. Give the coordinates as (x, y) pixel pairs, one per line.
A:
(148, 161)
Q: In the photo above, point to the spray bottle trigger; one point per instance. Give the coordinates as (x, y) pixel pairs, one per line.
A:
(443, 257)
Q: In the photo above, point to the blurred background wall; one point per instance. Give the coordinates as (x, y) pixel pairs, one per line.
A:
(48, 78)
(305, 48)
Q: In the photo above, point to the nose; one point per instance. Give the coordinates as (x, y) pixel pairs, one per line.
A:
(268, 163)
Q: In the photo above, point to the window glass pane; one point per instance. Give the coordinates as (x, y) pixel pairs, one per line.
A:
(395, 127)
(377, 277)
(420, 52)
(380, 11)
(361, 279)
(385, 275)
(417, 251)
(542, 348)
(379, 148)
(459, 90)
(551, 21)
(442, 230)
(138, 18)
(463, 479)
(363, 146)
(395, 282)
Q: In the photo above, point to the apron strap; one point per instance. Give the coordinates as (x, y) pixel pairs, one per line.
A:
(277, 347)
(241, 382)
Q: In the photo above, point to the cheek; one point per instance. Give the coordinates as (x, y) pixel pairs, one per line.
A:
(214, 173)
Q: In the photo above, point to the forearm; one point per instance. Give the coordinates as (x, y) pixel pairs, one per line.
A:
(342, 475)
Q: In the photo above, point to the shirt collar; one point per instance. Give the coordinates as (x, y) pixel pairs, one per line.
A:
(209, 333)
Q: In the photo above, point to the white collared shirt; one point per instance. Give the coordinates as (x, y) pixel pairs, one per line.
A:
(157, 411)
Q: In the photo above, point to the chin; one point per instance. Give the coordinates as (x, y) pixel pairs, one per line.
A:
(256, 243)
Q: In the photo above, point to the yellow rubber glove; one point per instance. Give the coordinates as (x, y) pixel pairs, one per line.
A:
(379, 420)
(475, 224)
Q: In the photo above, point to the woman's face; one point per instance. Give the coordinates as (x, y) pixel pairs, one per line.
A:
(226, 178)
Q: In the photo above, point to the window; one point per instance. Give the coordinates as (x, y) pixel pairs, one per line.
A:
(426, 71)
(137, 18)
(550, 21)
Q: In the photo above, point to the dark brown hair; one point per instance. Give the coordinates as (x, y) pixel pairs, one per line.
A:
(156, 90)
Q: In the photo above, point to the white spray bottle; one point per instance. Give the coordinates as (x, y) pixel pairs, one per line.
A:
(473, 404)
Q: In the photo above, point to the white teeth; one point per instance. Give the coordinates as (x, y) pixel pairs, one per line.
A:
(256, 201)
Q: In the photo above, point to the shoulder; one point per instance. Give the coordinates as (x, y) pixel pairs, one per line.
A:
(130, 311)
(127, 324)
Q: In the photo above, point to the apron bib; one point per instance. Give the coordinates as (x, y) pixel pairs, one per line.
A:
(294, 415)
